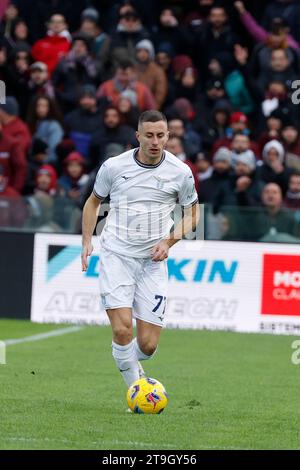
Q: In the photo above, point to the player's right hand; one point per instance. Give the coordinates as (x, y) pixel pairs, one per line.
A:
(87, 250)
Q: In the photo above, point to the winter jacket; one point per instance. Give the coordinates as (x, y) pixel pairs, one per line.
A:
(292, 155)
(238, 93)
(155, 78)
(258, 33)
(145, 98)
(228, 196)
(12, 159)
(123, 135)
(50, 50)
(71, 74)
(52, 133)
(18, 130)
(265, 171)
(84, 121)
(123, 43)
(211, 186)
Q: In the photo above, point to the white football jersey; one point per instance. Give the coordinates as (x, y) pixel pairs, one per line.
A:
(142, 199)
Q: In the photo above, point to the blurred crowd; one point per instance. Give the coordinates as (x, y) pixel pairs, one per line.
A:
(78, 74)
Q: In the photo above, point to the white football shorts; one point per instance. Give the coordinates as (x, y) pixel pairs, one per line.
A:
(136, 283)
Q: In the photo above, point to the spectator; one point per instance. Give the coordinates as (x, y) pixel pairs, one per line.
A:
(280, 70)
(91, 27)
(222, 169)
(275, 217)
(46, 180)
(276, 97)
(244, 187)
(84, 120)
(199, 14)
(129, 32)
(76, 69)
(222, 67)
(214, 37)
(273, 169)
(175, 146)
(215, 125)
(239, 144)
(37, 157)
(214, 93)
(238, 126)
(13, 161)
(149, 73)
(288, 11)
(274, 123)
(3, 7)
(19, 36)
(10, 15)
(45, 122)
(276, 39)
(110, 132)
(128, 108)
(187, 85)
(39, 83)
(190, 139)
(170, 31)
(292, 197)
(5, 74)
(238, 93)
(52, 48)
(203, 166)
(13, 128)
(12, 208)
(278, 35)
(74, 177)
(124, 79)
(291, 142)
(164, 56)
(18, 76)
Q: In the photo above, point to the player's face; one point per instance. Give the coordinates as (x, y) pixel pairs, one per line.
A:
(152, 137)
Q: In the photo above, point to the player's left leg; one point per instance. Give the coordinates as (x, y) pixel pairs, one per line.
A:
(147, 338)
(149, 307)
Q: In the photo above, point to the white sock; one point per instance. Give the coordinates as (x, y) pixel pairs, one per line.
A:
(139, 353)
(126, 361)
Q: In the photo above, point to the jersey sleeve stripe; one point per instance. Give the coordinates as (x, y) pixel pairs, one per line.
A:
(196, 201)
(98, 196)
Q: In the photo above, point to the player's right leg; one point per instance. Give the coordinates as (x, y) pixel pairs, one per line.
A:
(123, 347)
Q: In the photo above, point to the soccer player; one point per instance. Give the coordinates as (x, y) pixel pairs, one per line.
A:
(144, 185)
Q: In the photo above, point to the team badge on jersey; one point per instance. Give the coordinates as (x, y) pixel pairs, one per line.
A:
(161, 181)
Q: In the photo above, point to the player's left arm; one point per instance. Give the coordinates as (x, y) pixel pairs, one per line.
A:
(188, 223)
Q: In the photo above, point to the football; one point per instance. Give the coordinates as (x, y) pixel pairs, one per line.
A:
(147, 396)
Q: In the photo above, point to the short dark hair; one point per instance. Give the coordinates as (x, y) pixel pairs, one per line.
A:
(125, 64)
(152, 116)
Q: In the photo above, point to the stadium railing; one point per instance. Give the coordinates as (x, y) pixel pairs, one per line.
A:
(42, 213)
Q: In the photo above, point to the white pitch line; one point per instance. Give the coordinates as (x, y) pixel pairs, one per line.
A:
(41, 336)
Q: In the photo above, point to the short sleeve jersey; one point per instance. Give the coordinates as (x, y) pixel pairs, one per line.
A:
(142, 200)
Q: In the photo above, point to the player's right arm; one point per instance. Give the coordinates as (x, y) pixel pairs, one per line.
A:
(89, 220)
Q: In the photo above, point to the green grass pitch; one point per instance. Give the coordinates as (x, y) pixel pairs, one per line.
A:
(227, 391)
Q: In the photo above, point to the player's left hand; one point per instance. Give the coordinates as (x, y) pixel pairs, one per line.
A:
(160, 252)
